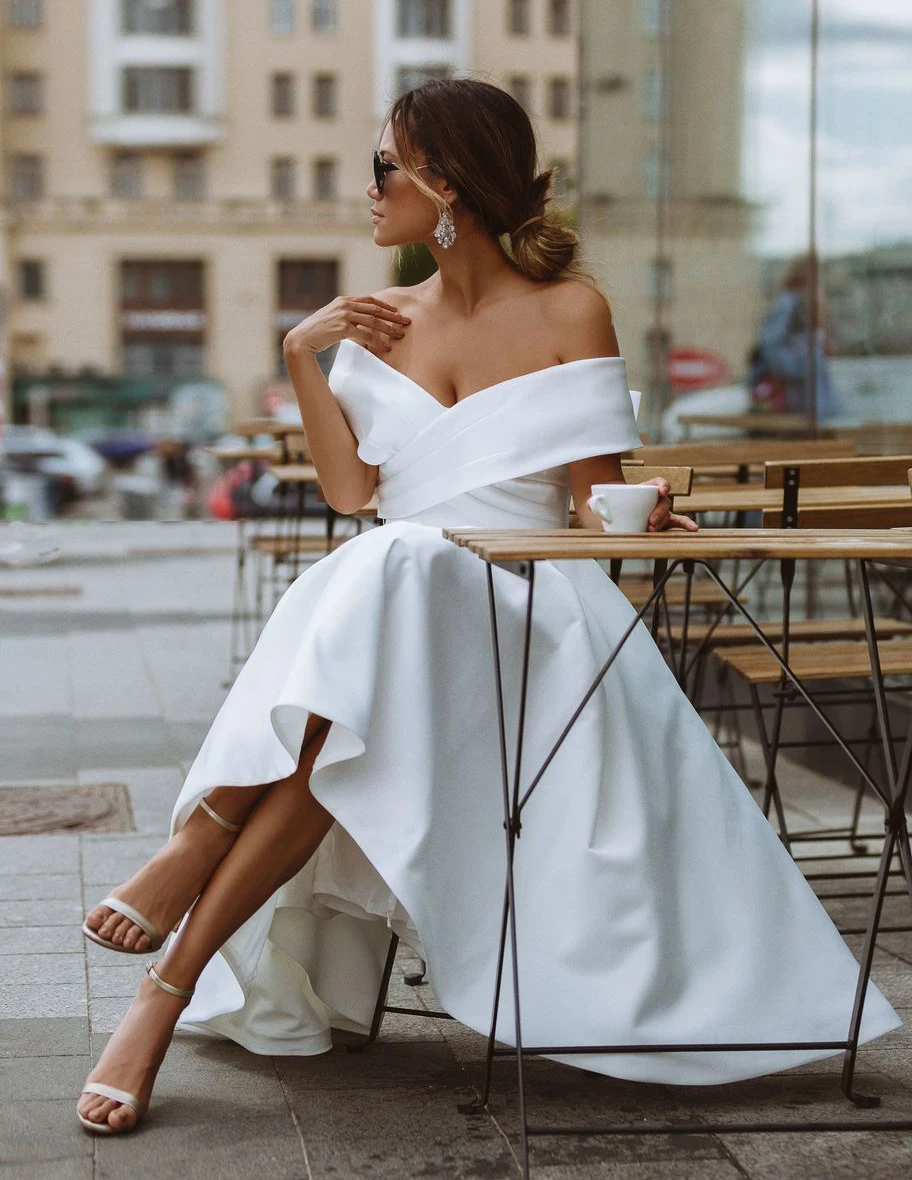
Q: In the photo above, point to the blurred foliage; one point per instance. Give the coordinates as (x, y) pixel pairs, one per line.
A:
(414, 263)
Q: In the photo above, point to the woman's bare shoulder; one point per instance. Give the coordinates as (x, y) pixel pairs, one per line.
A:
(580, 317)
(399, 296)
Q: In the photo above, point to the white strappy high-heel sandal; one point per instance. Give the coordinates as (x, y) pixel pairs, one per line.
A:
(155, 936)
(123, 1096)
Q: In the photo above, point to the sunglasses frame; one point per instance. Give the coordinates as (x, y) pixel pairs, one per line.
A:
(383, 167)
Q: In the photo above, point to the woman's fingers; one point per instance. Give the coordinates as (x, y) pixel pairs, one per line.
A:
(372, 321)
(378, 307)
(371, 340)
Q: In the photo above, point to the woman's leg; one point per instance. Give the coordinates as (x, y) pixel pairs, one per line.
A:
(168, 884)
(282, 832)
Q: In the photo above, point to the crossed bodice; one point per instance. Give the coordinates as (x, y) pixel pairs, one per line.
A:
(497, 458)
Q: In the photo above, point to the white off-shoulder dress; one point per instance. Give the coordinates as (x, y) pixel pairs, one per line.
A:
(655, 903)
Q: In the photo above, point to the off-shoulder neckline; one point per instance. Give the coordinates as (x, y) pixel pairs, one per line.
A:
(485, 389)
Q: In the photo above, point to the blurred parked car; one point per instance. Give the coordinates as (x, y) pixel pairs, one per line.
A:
(69, 468)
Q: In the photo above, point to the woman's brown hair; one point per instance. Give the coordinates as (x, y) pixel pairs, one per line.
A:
(480, 138)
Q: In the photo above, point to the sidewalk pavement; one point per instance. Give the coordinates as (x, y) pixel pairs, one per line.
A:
(113, 661)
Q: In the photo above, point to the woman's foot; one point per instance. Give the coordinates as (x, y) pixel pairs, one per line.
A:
(132, 1057)
(166, 886)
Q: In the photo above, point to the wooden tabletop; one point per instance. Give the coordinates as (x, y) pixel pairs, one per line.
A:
(753, 498)
(255, 426)
(295, 473)
(535, 545)
(756, 424)
(235, 454)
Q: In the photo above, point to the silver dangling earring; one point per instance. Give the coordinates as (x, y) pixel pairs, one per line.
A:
(445, 233)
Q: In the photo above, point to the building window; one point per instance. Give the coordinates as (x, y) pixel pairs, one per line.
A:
(520, 87)
(304, 284)
(25, 94)
(423, 18)
(324, 104)
(282, 16)
(127, 175)
(559, 17)
(408, 77)
(283, 95)
(23, 14)
(324, 16)
(325, 180)
(559, 98)
(652, 172)
(167, 18)
(652, 87)
(157, 90)
(31, 279)
(27, 177)
(518, 21)
(656, 15)
(660, 278)
(189, 177)
(283, 184)
(162, 319)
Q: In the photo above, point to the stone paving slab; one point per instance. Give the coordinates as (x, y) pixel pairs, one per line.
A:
(27, 1036)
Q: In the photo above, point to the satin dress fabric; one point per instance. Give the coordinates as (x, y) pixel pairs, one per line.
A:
(655, 904)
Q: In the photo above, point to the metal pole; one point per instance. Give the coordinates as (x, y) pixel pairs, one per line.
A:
(813, 278)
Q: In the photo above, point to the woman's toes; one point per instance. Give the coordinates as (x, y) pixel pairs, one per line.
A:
(123, 1117)
(136, 939)
(110, 924)
(122, 931)
(97, 916)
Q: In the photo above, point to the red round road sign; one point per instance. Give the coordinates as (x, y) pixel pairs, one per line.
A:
(695, 368)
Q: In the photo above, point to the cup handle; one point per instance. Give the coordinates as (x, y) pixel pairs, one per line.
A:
(599, 505)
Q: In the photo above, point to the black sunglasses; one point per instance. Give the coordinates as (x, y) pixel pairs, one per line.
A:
(381, 167)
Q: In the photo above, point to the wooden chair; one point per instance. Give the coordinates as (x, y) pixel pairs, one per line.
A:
(821, 651)
(741, 459)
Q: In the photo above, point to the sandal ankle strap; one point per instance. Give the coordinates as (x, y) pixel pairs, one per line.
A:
(164, 985)
(226, 824)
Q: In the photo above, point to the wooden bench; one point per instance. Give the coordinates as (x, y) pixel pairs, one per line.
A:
(735, 634)
(830, 660)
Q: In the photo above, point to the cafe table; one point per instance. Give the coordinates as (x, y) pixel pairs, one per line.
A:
(518, 551)
(755, 425)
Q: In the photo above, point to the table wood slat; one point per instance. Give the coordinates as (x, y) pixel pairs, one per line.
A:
(709, 544)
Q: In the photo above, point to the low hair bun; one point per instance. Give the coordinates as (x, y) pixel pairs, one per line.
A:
(544, 249)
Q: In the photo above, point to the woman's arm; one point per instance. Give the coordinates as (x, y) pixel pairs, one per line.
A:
(586, 330)
(347, 482)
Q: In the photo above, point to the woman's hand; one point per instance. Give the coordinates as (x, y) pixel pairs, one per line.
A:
(362, 318)
(662, 516)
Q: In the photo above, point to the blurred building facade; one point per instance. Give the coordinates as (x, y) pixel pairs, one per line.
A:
(183, 180)
(661, 210)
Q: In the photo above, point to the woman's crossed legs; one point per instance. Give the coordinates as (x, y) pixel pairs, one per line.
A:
(283, 828)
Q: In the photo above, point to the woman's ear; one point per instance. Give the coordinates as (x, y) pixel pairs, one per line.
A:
(445, 189)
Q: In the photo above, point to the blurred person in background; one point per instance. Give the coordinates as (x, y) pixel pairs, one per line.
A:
(778, 373)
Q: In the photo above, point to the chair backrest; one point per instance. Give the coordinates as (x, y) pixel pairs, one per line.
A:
(864, 471)
(849, 517)
(680, 479)
(880, 438)
(737, 452)
(296, 448)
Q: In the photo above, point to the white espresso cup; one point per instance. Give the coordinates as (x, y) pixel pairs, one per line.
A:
(623, 507)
